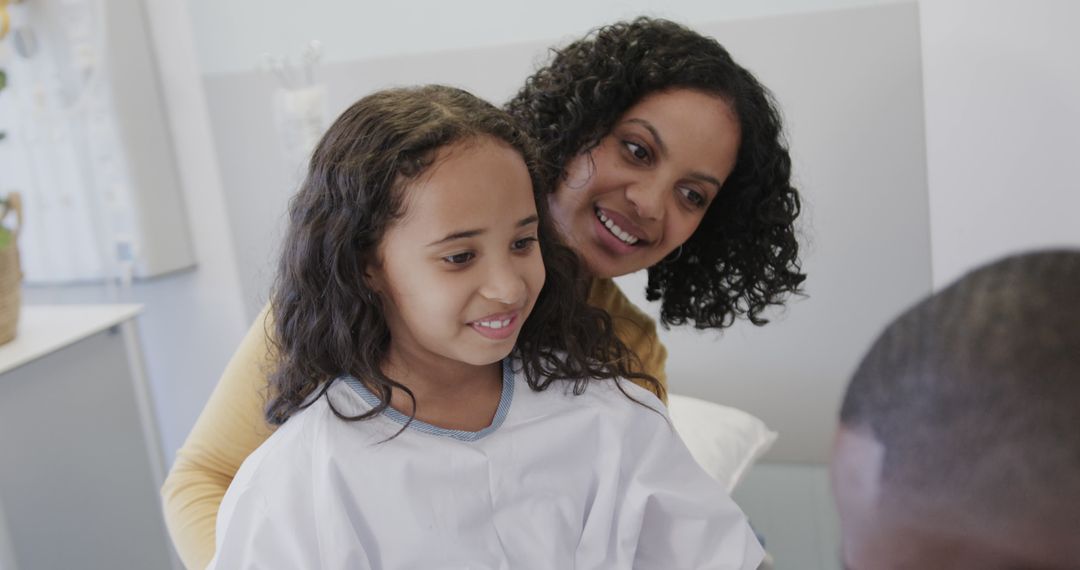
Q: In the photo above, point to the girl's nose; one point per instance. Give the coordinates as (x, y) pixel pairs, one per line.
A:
(504, 284)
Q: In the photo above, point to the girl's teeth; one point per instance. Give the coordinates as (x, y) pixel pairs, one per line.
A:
(493, 324)
(616, 230)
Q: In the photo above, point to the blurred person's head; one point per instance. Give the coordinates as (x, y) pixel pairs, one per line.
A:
(959, 438)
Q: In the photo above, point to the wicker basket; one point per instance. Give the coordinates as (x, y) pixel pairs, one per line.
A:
(10, 271)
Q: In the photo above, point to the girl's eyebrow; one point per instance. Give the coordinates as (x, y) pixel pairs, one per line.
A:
(473, 233)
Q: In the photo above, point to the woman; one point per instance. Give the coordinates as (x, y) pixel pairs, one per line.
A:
(663, 154)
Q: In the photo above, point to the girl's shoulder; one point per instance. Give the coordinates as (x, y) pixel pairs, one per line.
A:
(614, 402)
(280, 463)
(315, 428)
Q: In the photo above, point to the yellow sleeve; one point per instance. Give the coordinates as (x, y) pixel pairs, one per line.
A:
(230, 427)
(636, 329)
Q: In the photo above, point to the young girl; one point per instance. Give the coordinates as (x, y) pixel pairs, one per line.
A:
(448, 399)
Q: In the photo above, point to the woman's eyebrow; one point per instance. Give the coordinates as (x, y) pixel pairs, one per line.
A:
(664, 150)
(706, 178)
(652, 130)
(463, 234)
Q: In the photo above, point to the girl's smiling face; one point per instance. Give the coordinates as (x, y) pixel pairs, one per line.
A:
(461, 270)
(632, 200)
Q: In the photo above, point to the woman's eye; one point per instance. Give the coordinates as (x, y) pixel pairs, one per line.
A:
(695, 198)
(459, 258)
(523, 244)
(639, 152)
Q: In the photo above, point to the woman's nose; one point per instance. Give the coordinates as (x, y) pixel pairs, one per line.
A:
(647, 198)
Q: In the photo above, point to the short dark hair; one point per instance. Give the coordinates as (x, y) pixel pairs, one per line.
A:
(974, 393)
(744, 255)
(328, 320)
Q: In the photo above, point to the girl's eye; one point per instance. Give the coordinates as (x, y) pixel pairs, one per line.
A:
(693, 197)
(523, 244)
(459, 258)
(639, 152)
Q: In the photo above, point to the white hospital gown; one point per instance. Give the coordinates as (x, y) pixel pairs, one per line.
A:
(557, 481)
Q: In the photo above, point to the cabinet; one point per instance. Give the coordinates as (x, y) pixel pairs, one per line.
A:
(80, 462)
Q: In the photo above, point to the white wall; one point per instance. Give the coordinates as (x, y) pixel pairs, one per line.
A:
(1002, 92)
(232, 36)
(193, 321)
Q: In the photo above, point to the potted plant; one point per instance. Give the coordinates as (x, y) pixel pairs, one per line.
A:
(10, 271)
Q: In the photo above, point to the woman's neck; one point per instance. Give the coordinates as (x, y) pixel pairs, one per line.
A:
(449, 394)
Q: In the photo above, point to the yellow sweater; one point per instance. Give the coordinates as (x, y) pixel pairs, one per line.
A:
(231, 425)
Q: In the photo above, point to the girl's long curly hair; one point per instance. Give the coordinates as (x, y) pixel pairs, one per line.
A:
(329, 322)
(744, 255)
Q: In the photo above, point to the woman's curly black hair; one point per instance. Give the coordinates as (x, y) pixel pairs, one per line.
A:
(327, 319)
(744, 255)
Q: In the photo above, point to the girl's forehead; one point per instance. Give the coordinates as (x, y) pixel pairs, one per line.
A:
(478, 183)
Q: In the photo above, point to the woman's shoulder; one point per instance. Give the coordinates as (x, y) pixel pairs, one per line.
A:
(605, 294)
(634, 328)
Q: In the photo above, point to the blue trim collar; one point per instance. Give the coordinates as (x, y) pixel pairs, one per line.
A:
(500, 413)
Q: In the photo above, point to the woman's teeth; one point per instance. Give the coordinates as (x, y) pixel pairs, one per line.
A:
(494, 324)
(616, 230)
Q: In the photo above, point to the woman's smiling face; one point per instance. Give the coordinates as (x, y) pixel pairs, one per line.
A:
(637, 196)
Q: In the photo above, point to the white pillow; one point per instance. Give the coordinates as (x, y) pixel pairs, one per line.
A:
(725, 441)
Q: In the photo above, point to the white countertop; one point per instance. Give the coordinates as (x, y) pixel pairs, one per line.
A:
(47, 328)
